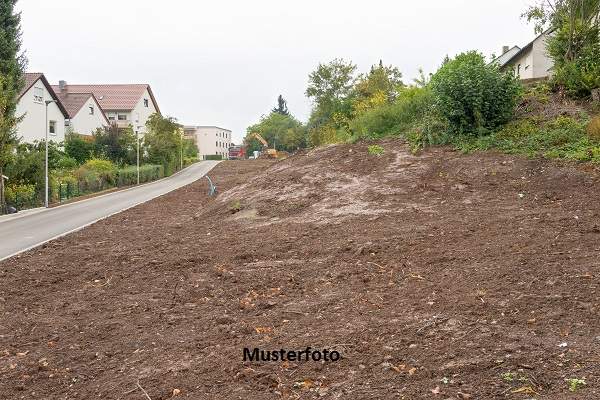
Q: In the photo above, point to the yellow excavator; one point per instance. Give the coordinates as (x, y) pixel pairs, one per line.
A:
(268, 152)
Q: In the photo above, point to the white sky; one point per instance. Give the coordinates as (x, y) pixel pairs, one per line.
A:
(224, 62)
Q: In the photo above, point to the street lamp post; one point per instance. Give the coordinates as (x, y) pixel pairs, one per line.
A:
(46, 158)
(137, 139)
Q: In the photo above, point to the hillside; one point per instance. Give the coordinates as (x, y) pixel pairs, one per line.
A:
(435, 275)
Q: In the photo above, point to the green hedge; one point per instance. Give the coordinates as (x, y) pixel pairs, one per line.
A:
(149, 172)
(213, 157)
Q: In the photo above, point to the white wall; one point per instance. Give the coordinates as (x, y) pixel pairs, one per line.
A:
(212, 140)
(141, 113)
(84, 123)
(33, 127)
(535, 63)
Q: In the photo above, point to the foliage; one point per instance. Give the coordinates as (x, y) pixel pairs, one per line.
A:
(573, 43)
(21, 195)
(215, 157)
(562, 138)
(103, 170)
(575, 384)
(281, 106)
(78, 148)
(117, 145)
(12, 66)
(283, 132)
(163, 142)
(329, 87)
(473, 96)
(380, 86)
(375, 150)
(28, 164)
(148, 172)
(410, 106)
(66, 163)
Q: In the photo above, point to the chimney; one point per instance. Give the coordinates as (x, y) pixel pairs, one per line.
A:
(505, 49)
(62, 85)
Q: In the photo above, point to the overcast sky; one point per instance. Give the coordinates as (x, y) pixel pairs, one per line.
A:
(225, 62)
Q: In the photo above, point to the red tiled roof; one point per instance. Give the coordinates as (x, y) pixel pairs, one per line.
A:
(73, 102)
(113, 97)
(31, 78)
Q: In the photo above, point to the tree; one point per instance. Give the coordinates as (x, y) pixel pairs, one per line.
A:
(283, 132)
(380, 86)
(78, 148)
(12, 66)
(281, 106)
(118, 145)
(331, 83)
(162, 142)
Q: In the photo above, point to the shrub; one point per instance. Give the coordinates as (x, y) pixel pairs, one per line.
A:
(593, 129)
(396, 118)
(213, 157)
(21, 195)
(66, 163)
(149, 172)
(474, 97)
(97, 173)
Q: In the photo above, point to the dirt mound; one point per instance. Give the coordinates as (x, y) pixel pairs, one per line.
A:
(435, 276)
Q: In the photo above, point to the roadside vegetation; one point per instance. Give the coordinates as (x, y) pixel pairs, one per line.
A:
(468, 103)
(86, 164)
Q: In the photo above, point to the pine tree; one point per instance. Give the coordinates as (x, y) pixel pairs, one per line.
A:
(12, 66)
(281, 106)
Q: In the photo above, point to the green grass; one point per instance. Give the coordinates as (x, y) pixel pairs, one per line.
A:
(562, 138)
(376, 150)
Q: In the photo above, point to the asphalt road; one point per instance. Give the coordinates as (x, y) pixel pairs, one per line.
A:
(19, 233)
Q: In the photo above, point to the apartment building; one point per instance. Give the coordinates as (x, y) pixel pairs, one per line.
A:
(211, 140)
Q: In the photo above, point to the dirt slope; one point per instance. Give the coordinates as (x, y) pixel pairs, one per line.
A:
(436, 276)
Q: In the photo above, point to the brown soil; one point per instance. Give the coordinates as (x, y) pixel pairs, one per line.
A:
(436, 276)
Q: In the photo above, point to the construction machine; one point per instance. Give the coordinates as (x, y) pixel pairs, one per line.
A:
(267, 152)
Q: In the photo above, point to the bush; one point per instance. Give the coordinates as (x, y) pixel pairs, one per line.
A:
(213, 157)
(128, 175)
(21, 196)
(97, 174)
(376, 150)
(66, 163)
(474, 97)
(396, 118)
(78, 148)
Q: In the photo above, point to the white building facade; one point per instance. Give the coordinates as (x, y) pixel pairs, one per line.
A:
(532, 61)
(211, 140)
(32, 106)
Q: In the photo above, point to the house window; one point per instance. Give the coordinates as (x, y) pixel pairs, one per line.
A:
(111, 117)
(52, 127)
(519, 70)
(146, 103)
(122, 117)
(38, 95)
(216, 144)
(91, 110)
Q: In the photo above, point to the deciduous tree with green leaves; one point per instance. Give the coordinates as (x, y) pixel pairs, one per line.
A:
(163, 142)
(283, 132)
(12, 66)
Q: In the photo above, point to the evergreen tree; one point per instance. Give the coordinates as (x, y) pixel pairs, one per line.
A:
(281, 106)
(12, 66)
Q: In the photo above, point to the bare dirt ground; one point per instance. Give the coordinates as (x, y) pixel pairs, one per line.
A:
(436, 276)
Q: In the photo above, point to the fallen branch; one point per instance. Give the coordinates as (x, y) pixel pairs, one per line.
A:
(142, 389)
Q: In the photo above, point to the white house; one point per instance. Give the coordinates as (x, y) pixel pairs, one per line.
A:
(123, 105)
(529, 62)
(32, 106)
(85, 113)
(211, 140)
